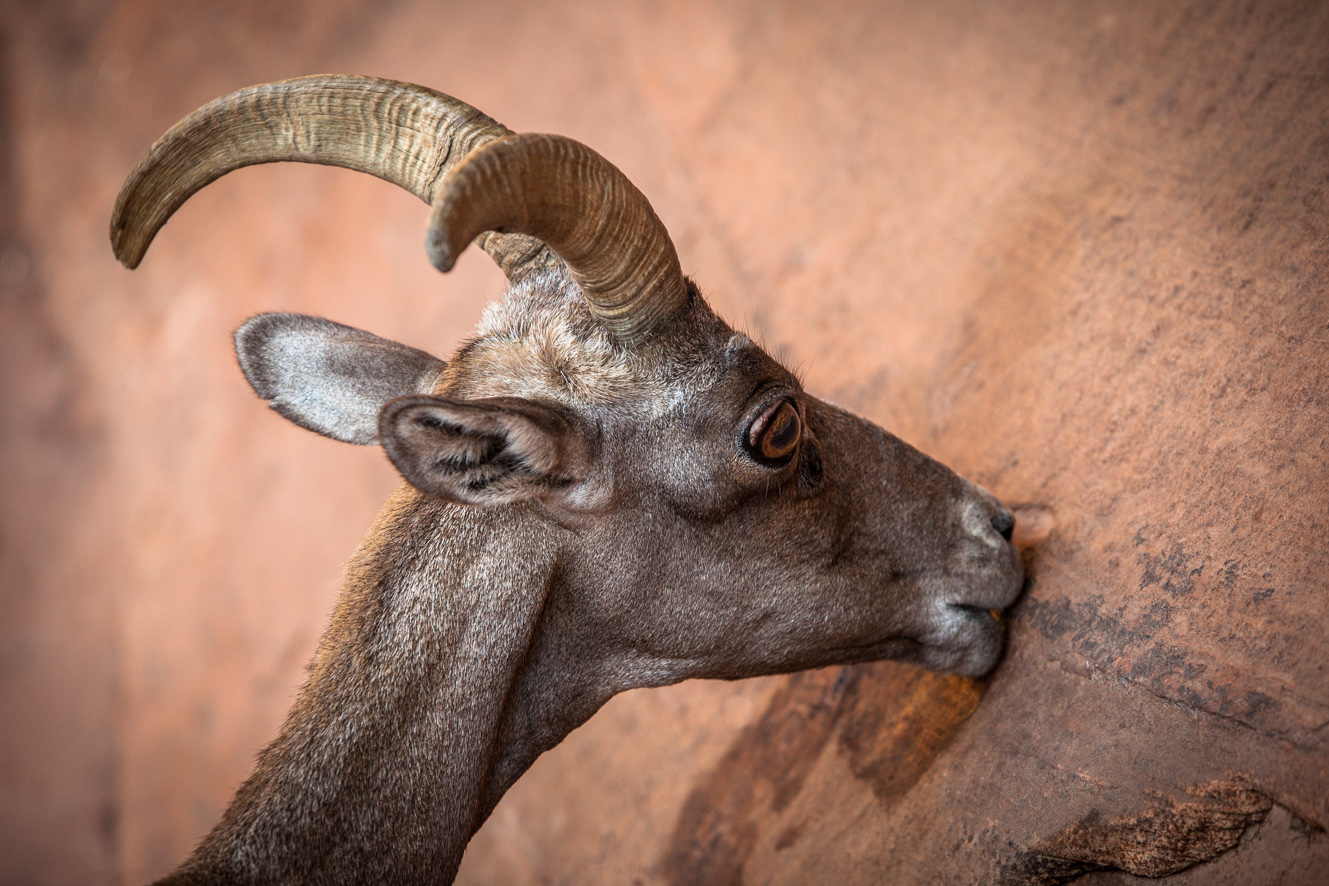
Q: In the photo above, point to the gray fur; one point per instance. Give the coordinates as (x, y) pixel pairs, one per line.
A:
(579, 520)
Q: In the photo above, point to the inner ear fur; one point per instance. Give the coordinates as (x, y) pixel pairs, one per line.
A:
(484, 452)
(329, 378)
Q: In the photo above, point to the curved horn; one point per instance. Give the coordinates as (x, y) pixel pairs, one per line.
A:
(405, 134)
(578, 204)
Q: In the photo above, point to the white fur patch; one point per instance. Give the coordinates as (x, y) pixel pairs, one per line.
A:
(541, 343)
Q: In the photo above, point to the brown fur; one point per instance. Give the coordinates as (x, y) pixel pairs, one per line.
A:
(620, 537)
(581, 517)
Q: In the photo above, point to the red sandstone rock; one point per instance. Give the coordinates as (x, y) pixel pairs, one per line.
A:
(1077, 251)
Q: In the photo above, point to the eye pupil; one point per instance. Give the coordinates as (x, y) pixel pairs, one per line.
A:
(778, 434)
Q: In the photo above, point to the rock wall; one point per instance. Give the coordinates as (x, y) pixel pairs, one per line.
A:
(1077, 251)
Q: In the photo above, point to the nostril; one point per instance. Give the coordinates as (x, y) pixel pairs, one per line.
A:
(1004, 522)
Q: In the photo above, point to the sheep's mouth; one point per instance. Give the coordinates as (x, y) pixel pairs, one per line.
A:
(981, 611)
(970, 644)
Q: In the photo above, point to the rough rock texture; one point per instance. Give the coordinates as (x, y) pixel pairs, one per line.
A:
(1078, 251)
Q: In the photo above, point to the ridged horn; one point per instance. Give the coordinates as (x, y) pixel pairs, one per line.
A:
(579, 205)
(402, 133)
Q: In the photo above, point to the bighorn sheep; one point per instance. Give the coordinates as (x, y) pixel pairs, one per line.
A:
(607, 487)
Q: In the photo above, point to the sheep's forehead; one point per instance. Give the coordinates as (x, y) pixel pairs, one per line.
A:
(540, 342)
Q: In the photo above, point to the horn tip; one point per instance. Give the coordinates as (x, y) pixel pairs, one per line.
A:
(441, 254)
(127, 240)
(127, 249)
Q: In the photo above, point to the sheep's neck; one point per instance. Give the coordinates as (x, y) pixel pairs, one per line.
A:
(411, 724)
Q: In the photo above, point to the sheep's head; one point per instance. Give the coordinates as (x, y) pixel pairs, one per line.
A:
(716, 519)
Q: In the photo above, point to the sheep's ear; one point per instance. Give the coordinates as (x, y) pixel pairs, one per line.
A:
(485, 452)
(330, 378)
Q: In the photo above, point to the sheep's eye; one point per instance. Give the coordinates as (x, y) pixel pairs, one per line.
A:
(773, 437)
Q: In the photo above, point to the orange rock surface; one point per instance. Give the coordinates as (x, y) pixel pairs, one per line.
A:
(1076, 251)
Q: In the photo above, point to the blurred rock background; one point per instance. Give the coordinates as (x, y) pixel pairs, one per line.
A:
(1077, 251)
